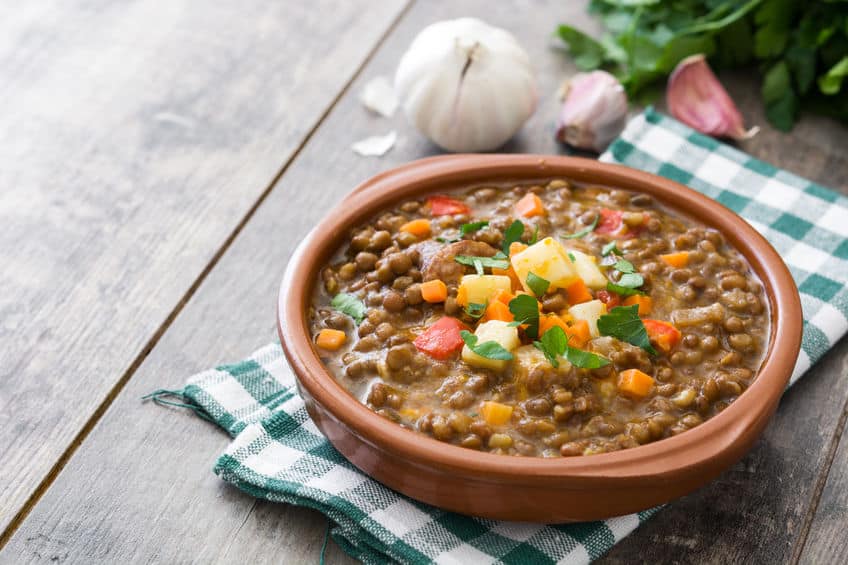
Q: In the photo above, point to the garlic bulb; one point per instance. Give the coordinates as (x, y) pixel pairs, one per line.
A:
(594, 111)
(466, 85)
(697, 98)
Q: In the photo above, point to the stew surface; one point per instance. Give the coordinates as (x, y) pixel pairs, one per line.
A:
(540, 320)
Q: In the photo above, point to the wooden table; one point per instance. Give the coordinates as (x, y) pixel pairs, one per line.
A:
(160, 160)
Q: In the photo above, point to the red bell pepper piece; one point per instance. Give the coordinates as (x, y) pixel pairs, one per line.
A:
(663, 334)
(442, 339)
(446, 206)
(611, 299)
(610, 222)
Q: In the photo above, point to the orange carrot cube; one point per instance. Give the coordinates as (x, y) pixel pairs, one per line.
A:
(330, 340)
(635, 383)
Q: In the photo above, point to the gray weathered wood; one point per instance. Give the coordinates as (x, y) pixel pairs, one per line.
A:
(140, 488)
(135, 137)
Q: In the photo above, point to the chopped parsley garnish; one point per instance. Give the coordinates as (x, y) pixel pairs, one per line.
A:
(472, 227)
(572, 257)
(475, 309)
(350, 305)
(535, 236)
(629, 279)
(610, 248)
(624, 323)
(537, 284)
(624, 266)
(479, 262)
(525, 310)
(513, 233)
(623, 290)
(586, 231)
(487, 349)
(554, 343)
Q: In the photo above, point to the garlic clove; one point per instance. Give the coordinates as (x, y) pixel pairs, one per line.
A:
(376, 145)
(696, 97)
(594, 111)
(379, 97)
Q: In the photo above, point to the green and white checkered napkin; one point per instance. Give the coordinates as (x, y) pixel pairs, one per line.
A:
(278, 453)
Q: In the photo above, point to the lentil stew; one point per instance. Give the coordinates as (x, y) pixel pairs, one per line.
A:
(547, 320)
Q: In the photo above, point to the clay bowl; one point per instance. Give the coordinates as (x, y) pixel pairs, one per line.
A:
(529, 488)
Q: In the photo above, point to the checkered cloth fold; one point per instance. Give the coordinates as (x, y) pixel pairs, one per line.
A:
(278, 453)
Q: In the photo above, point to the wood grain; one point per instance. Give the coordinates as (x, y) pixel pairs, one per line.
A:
(141, 489)
(135, 137)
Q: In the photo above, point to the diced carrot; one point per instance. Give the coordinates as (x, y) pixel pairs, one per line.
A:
(495, 413)
(434, 291)
(462, 296)
(676, 260)
(578, 292)
(635, 383)
(497, 310)
(663, 334)
(516, 283)
(516, 247)
(441, 205)
(419, 228)
(330, 340)
(550, 321)
(645, 303)
(503, 296)
(530, 205)
(578, 334)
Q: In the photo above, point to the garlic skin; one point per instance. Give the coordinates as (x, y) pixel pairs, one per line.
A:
(466, 85)
(594, 111)
(696, 97)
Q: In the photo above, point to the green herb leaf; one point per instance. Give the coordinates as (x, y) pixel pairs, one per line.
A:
(478, 266)
(831, 82)
(624, 266)
(624, 323)
(535, 236)
(610, 248)
(537, 284)
(472, 227)
(588, 54)
(623, 290)
(350, 305)
(475, 309)
(571, 257)
(446, 240)
(512, 234)
(586, 231)
(487, 349)
(525, 310)
(473, 261)
(631, 280)
(554, 343)
(779, 97)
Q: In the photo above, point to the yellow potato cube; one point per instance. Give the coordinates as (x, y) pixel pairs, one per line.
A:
(499, 332)
(547, 259)
(589, 311)
(479, 289)
(588, 270)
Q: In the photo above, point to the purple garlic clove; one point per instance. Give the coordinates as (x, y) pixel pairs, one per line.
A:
(594, 111)
(696, 97)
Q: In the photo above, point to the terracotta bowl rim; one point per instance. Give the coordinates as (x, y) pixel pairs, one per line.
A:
(656, 461)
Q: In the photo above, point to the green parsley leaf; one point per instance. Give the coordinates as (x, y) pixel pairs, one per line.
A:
(512, 234)
(475, 309)
(350, 305)
(451, 240)
(487, 349)
(572, 257)
(554, 343)
(525, 310)
(491, 262)
(610, 248)
(586, 231)
(472, 227)
(624, 323)
(631, 280)
(588, 54)
(624, 266)
(623, 290)
(535, 236)
(478, 266)
(537, 284)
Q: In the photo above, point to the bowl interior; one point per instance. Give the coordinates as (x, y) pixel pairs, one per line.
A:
(442, 174)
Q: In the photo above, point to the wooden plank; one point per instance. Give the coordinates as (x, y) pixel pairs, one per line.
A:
(139, 491)
(826, 541)
(134, 139)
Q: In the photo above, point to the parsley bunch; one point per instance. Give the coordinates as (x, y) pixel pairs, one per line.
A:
(800, 48)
